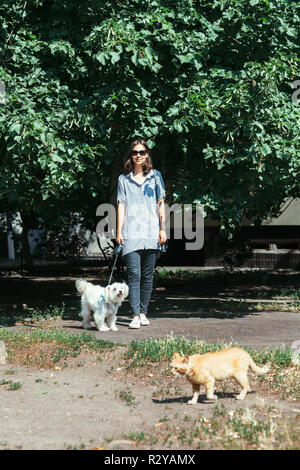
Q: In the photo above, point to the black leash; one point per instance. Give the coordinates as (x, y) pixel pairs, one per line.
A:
(117, 251)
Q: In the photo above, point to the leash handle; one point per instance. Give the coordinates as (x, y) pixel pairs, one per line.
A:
(117, 251)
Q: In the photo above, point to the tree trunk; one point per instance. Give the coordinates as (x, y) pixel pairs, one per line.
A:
(25, 241)
(10, 238)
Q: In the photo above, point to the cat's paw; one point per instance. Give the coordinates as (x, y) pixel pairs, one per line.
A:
(239, 397)
(212, 397)
(192, 402)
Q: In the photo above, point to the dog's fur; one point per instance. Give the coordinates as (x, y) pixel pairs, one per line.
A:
(206, 368)
(104, 309)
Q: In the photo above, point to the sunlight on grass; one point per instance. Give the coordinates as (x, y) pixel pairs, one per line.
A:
(46, 348)
(151, 350)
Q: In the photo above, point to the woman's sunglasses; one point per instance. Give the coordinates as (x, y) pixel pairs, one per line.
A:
(134, 153)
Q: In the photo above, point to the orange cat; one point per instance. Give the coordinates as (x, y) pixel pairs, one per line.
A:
(204, 369)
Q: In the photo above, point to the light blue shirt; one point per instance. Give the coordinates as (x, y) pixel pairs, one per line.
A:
(141, 223)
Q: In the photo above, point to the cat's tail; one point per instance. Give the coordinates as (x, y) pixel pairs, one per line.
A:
(82, 285)
(259, 370)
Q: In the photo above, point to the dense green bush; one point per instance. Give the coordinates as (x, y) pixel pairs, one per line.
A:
(207, 82)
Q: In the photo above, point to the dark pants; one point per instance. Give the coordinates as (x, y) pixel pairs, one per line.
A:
(140, 267)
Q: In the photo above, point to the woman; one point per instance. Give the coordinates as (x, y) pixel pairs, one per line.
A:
(140, 226)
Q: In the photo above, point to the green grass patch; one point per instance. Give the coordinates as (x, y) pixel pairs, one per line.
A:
(11, 385)
(46, 348)
(290, 293)
(127, 396)
(32, 314)
(142, 353)
(237, 277)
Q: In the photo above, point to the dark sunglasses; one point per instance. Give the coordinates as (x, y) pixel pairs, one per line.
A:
(134, 153)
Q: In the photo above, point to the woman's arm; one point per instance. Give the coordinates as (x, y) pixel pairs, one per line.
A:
(162, 236)
(120, 222)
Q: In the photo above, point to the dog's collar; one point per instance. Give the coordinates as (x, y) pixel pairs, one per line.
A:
(101, 298)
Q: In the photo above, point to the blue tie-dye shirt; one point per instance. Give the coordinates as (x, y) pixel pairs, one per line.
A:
(141, 223)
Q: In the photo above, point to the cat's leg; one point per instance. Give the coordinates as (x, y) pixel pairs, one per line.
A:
(196, 391)
(210, 385)
(242, 379)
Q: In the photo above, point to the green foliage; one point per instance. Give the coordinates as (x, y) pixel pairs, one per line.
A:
(206, 82)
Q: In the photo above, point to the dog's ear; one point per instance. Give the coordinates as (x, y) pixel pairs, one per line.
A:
(126, 289)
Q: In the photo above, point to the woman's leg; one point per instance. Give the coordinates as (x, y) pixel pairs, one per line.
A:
(133, 264)
(148, 261)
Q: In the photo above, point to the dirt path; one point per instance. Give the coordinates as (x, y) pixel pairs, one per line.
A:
(91, 404)
(95, 406)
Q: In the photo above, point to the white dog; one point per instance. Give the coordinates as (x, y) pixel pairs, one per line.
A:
(102, 301)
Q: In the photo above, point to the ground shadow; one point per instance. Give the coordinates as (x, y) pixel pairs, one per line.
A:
(184, 300)
(201, 399)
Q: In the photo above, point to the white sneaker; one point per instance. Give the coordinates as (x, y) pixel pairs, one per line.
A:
(135, 323)
(144, 320)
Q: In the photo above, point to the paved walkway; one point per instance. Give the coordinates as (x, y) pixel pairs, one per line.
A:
(257, 331)
(212, 313)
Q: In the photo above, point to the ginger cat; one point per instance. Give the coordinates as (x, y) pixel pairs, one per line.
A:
(204, 369)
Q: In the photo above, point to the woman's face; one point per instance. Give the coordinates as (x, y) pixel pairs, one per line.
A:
(139, 155)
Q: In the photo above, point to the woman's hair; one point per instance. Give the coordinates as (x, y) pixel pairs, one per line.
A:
(129, 164)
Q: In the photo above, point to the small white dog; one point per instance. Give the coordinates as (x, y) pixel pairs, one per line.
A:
(102, 301)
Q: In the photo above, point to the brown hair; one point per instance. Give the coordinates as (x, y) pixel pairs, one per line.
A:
(129, 164)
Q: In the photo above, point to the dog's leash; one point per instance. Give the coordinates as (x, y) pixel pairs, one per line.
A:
(117, 251)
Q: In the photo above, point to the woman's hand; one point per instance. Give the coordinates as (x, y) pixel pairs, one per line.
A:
(119, 239)
(120, 221)
(162, 237)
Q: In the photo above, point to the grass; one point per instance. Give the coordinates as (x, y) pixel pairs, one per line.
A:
(281, 288)
(127, 396)
(25, 314)
(48, 348)
(12, 385)
(222, 276)
(289, 306)
(142, 353)
(259, 428)
(149, 354)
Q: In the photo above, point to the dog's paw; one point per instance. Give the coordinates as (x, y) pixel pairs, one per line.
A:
(87, 327)
(103, 328)
(114, 328)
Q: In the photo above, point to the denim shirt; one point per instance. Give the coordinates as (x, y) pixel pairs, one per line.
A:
(141, 222)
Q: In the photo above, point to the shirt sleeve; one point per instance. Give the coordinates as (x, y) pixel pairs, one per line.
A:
(160, 186)
(121, 196)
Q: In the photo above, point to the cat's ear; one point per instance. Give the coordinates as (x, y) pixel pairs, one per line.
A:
(186, 359)
(176, 355)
